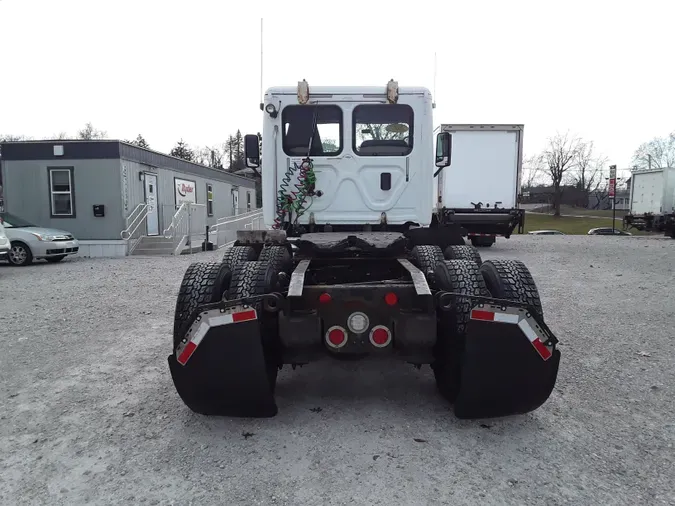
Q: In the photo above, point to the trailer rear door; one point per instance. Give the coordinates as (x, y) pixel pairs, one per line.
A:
(485, 168)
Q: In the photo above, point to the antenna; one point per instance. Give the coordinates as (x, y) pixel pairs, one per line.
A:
(434, 102)
(261, 62)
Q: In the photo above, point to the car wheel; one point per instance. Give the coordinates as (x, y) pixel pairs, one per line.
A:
(20, 254)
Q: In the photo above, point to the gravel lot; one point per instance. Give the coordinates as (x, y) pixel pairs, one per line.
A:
(89, 413)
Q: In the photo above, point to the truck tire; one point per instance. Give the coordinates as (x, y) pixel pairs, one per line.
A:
(238, 254)
(463, 253)
(279, 256)
(253, 278)
(511, 280)
(426, 257)
(203, 283)
(462, 277)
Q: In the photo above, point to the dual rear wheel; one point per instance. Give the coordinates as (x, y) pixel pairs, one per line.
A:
(461, 270)
(241, 274)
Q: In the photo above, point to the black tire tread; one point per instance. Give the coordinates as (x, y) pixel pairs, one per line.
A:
(461, 277)
(278, 256)
(426, 257)
(238, 254)
(514, 282)
(249, 279)
(465, 252)
(203, 283)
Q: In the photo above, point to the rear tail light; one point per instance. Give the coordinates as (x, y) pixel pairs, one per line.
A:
(380, 336)
(325, 298)
(391, 299)
(336, 337)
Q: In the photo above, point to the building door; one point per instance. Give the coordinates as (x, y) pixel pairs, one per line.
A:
(235, 202)
(151, 201)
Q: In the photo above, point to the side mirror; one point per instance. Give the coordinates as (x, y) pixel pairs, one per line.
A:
(443, 150)
(252, 151)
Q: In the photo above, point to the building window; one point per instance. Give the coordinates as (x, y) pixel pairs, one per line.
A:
(383, 130)
(209, 199)
(248, 201)
(62, 200)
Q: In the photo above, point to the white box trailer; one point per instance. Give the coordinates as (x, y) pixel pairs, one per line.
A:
(652, 200)
(480, 189)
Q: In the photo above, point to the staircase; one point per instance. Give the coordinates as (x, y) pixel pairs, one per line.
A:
(155, 246)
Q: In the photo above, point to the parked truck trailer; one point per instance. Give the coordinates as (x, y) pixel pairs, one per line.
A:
(652, 201)
(481, 192)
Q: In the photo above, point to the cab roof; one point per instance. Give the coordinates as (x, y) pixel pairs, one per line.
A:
(347, 90)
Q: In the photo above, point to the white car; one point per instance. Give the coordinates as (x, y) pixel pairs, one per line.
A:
(29, 242)
(4, 243)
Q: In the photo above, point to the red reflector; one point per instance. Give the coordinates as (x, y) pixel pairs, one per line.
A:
(380, 336)
(336, 337)
(541, 349)
(477, 314)
(244, 316)
(391, 298)
(187, 353)
(325, 298)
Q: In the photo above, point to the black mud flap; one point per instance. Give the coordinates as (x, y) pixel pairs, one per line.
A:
(224, 373)
(509, 365)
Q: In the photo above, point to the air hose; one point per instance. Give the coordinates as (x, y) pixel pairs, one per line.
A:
(294, 201)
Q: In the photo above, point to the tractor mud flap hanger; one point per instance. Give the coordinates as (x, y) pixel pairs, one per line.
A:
(220, 369)
(509, 365)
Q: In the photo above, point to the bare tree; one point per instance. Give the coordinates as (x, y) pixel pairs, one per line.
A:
(589, 173)
(657, 153)
(89, 132)
(13, 138)
(559, 157)
(532, 171)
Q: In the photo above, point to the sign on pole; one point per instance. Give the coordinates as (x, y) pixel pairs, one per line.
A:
(612, 181)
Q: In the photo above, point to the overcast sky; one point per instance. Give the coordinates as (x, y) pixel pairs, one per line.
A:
(191, 69)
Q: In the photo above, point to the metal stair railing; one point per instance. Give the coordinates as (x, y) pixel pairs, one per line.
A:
(224, 232)
(134, 232)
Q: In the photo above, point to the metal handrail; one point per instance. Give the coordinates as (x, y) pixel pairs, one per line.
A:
(136, 222)
(131, 216)
(231, 219)
(176, 220)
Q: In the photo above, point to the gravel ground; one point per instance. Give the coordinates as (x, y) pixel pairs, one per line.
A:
(89, 414)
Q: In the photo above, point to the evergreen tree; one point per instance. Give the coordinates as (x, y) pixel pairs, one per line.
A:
(181, 150)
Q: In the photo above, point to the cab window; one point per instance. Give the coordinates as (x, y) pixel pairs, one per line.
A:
(298, 122)
(383, 130)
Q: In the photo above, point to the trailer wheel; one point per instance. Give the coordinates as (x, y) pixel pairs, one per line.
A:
(461, 277)
(426, 257)
(203, 283)
(258, 278)
(511, 280)
(463, 253)
(279, 256)
(238, 254)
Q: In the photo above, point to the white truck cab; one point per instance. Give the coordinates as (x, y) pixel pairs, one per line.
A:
(371, 154)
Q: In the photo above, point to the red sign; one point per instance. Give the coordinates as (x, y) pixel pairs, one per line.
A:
(612, 188)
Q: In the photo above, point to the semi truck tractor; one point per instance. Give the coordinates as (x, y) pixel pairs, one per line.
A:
(481, 192)
(353, 264)
(652, 201)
